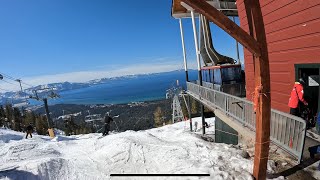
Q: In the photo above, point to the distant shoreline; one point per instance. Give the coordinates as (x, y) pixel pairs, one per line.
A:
(132, 116)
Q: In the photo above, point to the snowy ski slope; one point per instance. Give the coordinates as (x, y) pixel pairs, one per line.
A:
(169, 149)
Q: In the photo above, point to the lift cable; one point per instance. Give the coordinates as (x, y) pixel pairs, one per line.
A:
(10, 82)
(4, 89)
(15, 79)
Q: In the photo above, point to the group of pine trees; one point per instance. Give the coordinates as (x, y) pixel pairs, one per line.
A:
(13, 118)
(158, 117)
(71, 128)
(17, 120)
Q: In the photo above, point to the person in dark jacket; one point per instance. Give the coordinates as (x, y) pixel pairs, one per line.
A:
(29, 130)
(107, 121)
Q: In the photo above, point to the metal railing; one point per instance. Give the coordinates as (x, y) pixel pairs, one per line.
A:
(237, 89)
(286, 131)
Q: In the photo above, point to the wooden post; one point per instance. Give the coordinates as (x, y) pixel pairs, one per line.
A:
(50, 129)
(256, 43)
(262, 90)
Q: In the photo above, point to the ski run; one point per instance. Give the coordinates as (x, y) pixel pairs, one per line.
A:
(171, 149)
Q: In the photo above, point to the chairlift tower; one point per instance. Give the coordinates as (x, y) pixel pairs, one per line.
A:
(174, 92)
(45, 94)
(177, 114)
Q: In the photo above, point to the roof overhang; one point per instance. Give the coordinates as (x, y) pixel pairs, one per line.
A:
(182, 10)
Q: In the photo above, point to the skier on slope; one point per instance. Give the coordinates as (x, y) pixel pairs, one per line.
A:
(29, 130)
(107, 121)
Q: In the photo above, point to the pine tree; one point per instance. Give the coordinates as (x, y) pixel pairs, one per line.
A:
(9, 115)
(41, 125)
(158, 117)
(2, 116)
(71, 127)
(194, 106)
(30, 117)
(67, 129)
(17, 119)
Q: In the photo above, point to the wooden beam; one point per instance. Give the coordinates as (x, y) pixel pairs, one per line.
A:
(177, 8)
(262, 90)
(217, 17)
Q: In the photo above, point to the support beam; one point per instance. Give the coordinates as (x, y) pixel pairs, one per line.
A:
(50, 128)
(184, 51)
(217, 17)
(237, 45)
(203, 119)
(189, 112)
(262, 90)
(45, 101)
(196, 44)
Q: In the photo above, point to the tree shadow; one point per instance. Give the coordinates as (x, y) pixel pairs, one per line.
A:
(10, 137)
(294, 169)
(16, 174)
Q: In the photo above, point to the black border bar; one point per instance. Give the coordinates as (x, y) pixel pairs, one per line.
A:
(145, 175)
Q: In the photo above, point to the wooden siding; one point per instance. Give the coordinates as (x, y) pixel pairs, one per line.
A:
(293, 37)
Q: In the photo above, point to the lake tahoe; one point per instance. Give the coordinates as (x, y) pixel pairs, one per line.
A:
(124, 90)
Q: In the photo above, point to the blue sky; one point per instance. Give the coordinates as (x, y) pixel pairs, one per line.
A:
(52, 39)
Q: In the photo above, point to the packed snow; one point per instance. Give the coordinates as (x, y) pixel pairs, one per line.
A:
(171, 149)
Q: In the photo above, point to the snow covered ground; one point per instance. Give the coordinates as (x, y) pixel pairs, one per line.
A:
(169, 149)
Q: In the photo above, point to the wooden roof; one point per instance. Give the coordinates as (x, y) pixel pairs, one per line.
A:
(228, 7)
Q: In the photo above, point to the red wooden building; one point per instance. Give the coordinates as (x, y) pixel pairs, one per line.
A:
(293, 39)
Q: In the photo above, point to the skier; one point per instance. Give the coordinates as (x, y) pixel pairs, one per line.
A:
(296, 98)
(206, 124)
(29, 130)
(107, 121)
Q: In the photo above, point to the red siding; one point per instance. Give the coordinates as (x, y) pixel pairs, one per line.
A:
(293, 37)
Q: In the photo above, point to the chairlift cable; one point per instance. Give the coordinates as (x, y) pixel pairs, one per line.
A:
(15, 79)
(7, 76)
(4, 89)
(9, 82)
(26, 84)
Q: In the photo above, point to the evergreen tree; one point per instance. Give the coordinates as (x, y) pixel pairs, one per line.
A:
(30, 117)
(158, 117)
(9, 115)
(2, 116)
(71, 127)
(194, 107)
(17, 119)
(41, 125)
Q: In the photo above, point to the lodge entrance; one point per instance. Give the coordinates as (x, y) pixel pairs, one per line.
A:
(310, 73)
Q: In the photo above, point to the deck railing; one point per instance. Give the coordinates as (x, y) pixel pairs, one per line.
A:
(286, 131)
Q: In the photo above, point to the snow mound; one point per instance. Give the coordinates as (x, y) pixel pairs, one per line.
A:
(8, 135)
(169, 149)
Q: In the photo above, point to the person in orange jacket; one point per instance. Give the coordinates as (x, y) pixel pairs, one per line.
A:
(296, 97)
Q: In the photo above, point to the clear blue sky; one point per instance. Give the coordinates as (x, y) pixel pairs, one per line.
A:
(46, 37)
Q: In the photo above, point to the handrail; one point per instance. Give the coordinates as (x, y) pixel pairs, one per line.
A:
(286, 131)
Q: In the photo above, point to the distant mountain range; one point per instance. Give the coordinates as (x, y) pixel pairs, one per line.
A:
(18, 97)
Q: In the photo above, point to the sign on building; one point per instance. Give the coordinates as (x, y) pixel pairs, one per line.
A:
(313, 80)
